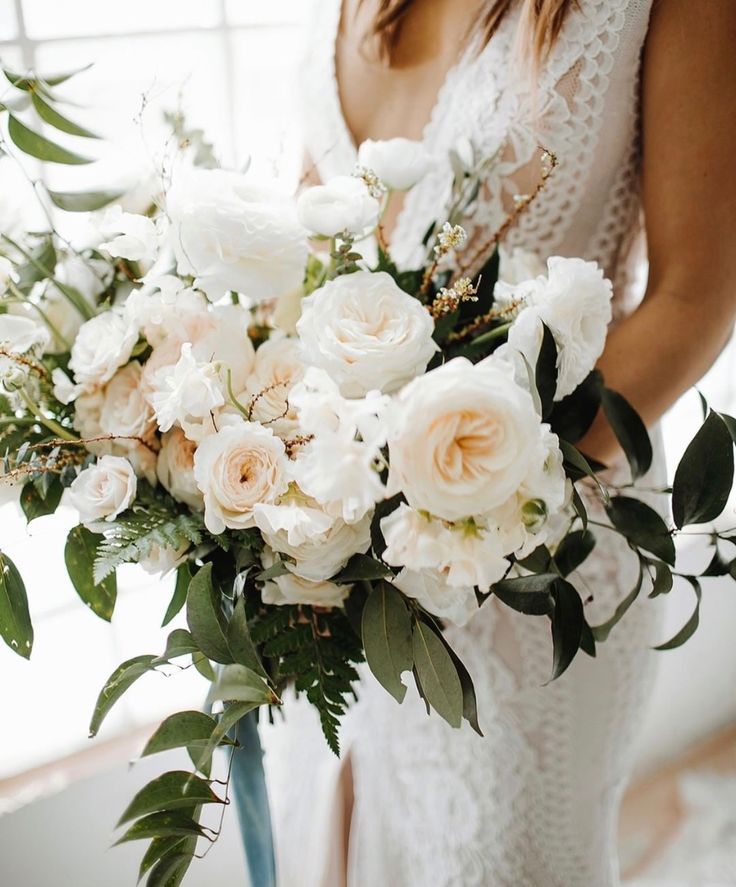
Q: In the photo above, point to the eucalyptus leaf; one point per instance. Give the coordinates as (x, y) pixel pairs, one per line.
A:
(16, 628)
(587, 641)
(180, 730)
(79, 556)
(642, 526)
(704, 477)
(577, 466)
(663, 581)
(179, 643)
(170, 791)
(36, 145)
(630, 432)
(204, 617)
(169, 871)
(387, 638)
(83, 201)
(161, 825)
(124, 676)
(158, 848)
(52, 117)
(227, 720)
(438, 675)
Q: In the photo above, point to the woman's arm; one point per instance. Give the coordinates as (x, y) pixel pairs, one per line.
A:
(689, 193)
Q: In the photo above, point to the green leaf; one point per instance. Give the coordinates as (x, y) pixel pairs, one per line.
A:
(587, 641)
(15, 620)
(545, 374)
(704, 477)
(642, 526)
(601, 632)
(630, 432)
(170, 870)
(228, 719)
(278, 568)
(387, 638)
(470, 703)
(120, 680)
(574, 550)
(36, 145)
(236, 683)
(568, 620)
(180, 730)
(79, 557)
(439, 678)
(239, 641)
(161, 825)
(204, 617)
(538, 561)
(57, 79)
(170, 791)
(362, 567)
(179, 598)
(35, 505)
(730, 423)
(572, 416)
(528, 594)
(662, 580)
(83, 201)
(203, 666)
(50, 115)
(689, 628)
(179, 643)
(577, 466)
(159, 848)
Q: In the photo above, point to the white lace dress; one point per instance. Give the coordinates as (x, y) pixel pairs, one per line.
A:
(533, 803)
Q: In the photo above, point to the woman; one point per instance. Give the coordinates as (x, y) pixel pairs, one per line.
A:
(637, 100)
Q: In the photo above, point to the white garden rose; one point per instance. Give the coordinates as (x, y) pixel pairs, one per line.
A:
(277, 368)
(431, 589)
(344, 204)
(130, 236)
(175, 468)
(574, 301)
(462, 439)
(319, 545)
(166, 308)
(237, 468)
(104, 490)
(231, 234)
(465, 554)
(125, 412)
(103, 345)
(399, 163)
(366, 332)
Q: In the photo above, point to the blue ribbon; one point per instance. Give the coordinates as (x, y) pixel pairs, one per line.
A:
(248, 783)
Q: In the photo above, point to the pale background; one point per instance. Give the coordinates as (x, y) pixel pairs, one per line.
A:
(231, 65)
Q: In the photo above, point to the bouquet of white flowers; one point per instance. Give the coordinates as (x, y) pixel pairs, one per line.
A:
(336, 455)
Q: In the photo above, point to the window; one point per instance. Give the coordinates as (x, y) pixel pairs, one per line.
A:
(229, 64)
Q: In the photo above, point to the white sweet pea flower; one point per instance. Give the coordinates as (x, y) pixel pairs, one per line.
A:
(462, 439)
(130, 236)
(574, 301)
(8, 275)
(233, 235)
(343, 204)
(318, 544)
(185, 393)
(399, 163)
(19, 334)
(175, 468)
(104, 490)
(239, 467)
(103, 345)
(366, 332)
(431, 589)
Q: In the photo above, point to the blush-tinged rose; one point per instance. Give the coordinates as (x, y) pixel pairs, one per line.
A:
(237, 468)
(175, 468)
(104, 490)
(103, 345)
(366, 332)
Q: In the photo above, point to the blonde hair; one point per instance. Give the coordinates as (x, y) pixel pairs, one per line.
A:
(541, 23)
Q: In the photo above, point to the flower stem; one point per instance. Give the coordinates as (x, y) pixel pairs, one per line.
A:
(52, 425)
(491, 334)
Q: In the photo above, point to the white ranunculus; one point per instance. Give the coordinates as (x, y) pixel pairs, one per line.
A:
(462, 439)
(467, 554)
(104, 490)
(343, 204)
(175, 468)
(239, 467)
(516, 266)
(399, 163)
(19, 334)
(574, 301)
(130, 236)
(277, 368)
(431, 589)
(160, 561)
(319, 545)
(185, 393)
(8, 275)
(366, 332)
(231, 234)
(103, 345)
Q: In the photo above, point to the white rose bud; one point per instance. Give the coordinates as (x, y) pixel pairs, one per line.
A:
(366, 332)
(343, 204)
(103, 345)
(399, 163)
(104, 490)
(462, 440)
(231, 234)
(237, 468)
